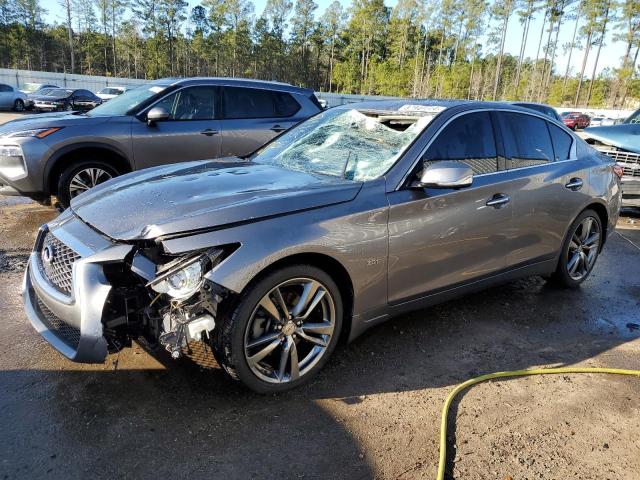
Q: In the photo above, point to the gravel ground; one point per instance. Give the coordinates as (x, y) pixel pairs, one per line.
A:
(372, 413)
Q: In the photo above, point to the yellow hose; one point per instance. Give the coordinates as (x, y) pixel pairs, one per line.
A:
(513, 373)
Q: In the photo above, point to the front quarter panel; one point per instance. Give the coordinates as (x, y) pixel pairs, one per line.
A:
(353, 233)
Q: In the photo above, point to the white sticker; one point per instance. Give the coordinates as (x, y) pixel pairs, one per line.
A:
(422, 108)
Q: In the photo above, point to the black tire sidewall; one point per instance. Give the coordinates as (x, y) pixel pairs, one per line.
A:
(15, 105)
(562, 274)
(64, 180)
(233, 333)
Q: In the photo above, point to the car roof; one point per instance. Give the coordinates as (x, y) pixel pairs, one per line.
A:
(396, 105)
(240, 82)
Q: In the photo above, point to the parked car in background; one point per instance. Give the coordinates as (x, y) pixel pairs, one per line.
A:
(12, 98)
(162, 122)
(360, 213)
(33, 87)
(575, 120)
(43, 90)
(108, 93)
(601, 121)
(622, 143)
(540, 107)
(65, 99)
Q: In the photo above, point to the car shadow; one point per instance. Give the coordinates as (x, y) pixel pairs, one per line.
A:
(185, 418)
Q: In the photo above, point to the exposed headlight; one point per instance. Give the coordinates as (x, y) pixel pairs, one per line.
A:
(36, 132)
(181, 283)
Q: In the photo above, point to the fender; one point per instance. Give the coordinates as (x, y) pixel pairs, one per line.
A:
(52, 161)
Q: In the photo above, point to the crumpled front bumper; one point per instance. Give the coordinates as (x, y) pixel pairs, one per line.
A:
(72, 323)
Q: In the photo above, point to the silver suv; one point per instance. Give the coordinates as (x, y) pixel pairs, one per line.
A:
(167, 121)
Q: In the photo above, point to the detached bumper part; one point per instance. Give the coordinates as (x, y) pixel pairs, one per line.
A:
(72, 321)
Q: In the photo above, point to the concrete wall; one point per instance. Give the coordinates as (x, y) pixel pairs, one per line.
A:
(17, 78)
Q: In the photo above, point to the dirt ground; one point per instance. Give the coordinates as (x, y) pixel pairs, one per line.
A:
(374, 412)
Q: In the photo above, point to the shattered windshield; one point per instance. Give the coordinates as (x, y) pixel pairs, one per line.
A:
(348, 144)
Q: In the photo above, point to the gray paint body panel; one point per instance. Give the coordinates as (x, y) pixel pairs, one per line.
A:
(402, 248)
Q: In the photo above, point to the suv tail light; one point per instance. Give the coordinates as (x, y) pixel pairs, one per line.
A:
(617, 169)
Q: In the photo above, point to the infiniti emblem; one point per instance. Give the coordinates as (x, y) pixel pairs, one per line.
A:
(48, 253)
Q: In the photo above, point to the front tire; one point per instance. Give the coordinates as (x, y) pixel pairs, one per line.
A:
(18, 105)
(81, 177)
(580, 250)
(282, 329)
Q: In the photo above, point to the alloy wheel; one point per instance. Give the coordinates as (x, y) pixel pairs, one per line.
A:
(86, 179)
(290, 330)
(583, 248)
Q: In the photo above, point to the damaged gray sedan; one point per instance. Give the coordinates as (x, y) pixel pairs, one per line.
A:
(358, 214)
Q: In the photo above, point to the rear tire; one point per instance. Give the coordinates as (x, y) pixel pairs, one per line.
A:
(89, 173)
(18, 105)
(306, 333)
(580, 250)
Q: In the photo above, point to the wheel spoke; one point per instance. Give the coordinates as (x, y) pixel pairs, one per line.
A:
(264, 352)
(309, 290)
(295, 365)
(283, 306)
(318, 328)
(317, 341)
(270, 308)
(573, 263)
(263, 339)
(284, 358)
(321, 293)
(78, 184)
(583, 263)
(592, 241)
(586, 228)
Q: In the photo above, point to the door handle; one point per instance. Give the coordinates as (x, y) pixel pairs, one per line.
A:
(277, 128)
(209, 131)
(574, 184)
(498, 200)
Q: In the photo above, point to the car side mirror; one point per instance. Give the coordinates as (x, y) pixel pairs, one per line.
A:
(156, 114)
(446, 174)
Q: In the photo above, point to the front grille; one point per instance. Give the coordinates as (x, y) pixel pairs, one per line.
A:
(630, 162)
(56, 260)
(70, 335)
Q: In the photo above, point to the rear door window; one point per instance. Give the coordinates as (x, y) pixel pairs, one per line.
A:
(526, 140)
(241, 102)
(469, 139)
(562, 143)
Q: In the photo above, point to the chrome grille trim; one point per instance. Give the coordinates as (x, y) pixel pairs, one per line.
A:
(630, 162)
(67, 333)
(59, 270)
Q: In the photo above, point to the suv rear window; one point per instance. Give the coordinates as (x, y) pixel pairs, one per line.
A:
(526, 139)
(241, 102)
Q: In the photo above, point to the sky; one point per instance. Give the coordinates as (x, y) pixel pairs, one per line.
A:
(609, 57)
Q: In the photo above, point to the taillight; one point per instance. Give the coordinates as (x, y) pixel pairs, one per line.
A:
(618, 170)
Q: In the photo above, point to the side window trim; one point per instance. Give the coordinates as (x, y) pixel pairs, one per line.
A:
(403, 182)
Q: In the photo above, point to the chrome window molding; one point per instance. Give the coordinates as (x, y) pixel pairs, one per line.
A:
(573, 154)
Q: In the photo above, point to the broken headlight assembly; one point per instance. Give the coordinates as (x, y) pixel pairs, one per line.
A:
(181, 278)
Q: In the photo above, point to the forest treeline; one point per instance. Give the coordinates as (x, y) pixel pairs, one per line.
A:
(419, 48)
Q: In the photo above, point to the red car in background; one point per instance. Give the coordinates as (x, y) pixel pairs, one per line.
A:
(574, 120)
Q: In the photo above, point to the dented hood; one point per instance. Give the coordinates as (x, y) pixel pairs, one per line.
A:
(202, 195)
(625, 136)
